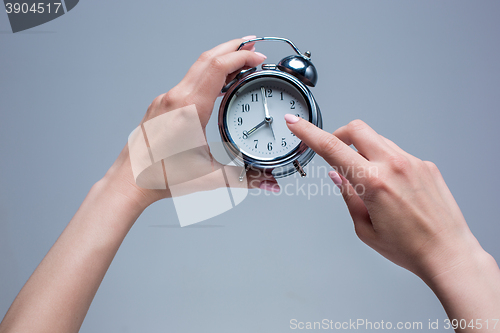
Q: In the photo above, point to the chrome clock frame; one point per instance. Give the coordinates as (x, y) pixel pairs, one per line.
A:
(287, 164)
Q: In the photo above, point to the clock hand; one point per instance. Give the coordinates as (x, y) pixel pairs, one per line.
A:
(268, 118)
(264, 100)
(254, 129)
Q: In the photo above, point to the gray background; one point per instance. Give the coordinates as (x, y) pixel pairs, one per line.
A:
(424, 74)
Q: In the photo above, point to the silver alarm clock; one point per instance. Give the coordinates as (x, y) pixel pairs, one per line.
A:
(251, 114)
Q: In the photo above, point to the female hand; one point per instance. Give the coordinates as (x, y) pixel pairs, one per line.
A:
(196, 93)
(57, 296)
(402, 208)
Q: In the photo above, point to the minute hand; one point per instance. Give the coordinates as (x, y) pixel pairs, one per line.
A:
(254, 129)
(264, 100)
(268, 118)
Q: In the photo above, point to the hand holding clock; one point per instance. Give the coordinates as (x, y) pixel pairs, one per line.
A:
(200, 87)
(409, 216)
(58, 294)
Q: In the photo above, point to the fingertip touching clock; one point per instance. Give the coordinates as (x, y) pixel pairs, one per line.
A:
(251, 114)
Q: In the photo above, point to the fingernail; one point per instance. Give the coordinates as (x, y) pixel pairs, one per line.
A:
(249, 37)
(291, 119)
(268, 186)
(252, 49)
(261, 55)
(335, 178)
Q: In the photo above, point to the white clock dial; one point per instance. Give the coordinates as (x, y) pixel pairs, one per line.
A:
(246, 118)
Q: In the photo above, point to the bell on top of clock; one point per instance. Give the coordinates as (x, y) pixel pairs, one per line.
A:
(301, 67)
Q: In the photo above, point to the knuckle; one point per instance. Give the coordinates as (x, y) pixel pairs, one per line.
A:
(420, 165)
(156, 101)
(399, 164)
(217, 64)
(173, 98)
(205, 56)
(432, 168)
(152, 110)
(170, 98)
(356, 125)
(376, 186)
(377, 183)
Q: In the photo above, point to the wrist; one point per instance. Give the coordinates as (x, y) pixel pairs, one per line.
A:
(119, 181)
(468, 261)
(128, 197)
(473, 280)
(450, 256)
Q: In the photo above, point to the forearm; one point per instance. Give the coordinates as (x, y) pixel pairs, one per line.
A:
(57, 296)
(470, 293)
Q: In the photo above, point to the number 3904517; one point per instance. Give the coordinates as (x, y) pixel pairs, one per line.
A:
(36, 8)
(472, 324)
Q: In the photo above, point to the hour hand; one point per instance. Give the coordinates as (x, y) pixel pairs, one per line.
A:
(254, 129)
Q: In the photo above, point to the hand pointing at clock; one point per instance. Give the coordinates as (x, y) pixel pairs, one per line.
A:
(402, 208)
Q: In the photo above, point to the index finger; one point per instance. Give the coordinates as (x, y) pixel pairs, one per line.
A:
(339, 155)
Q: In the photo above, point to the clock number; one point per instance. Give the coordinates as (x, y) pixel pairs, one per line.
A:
(255, 97)
(269, 93)
(245, 108)
(256, 143)
(281, 93)
(270, 146)
(240, 121)
(283, 142)
(292, 104)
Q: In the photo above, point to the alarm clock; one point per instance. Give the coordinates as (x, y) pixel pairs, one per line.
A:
(251, 114)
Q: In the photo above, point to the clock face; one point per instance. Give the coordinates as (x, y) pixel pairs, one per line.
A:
(246, 118)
